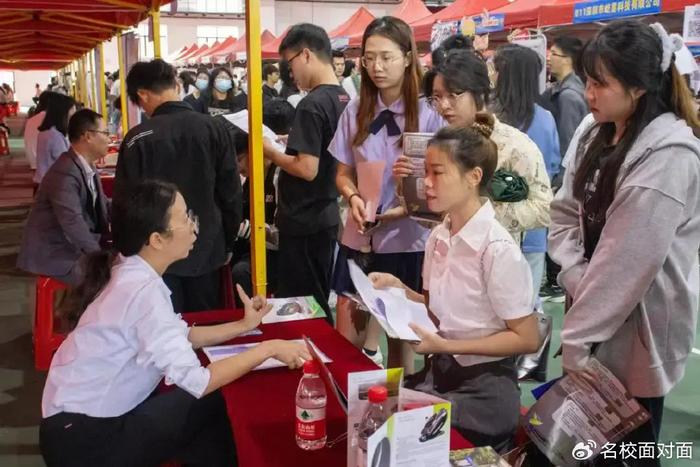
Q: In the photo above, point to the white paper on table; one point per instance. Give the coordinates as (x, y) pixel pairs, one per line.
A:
(391, 307)
(370, 175)
(240, 119)
(219, 352)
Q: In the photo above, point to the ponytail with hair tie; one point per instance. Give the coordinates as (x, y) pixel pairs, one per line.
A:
(98, 270)
(484, 123)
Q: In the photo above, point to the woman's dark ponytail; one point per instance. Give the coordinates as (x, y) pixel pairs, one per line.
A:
(97, 267)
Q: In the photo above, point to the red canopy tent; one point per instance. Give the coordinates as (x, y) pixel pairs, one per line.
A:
(174, 56)
(191, 52)
(230, 52)
(206, 57)
(49, 34)
(355, 24)
(409, 10)
(422, 29)
(271, 48)
(194, 58)
(521, 13)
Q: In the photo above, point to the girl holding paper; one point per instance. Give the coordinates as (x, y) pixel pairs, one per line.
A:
(369, 140)
(98, 407)
(477, 286)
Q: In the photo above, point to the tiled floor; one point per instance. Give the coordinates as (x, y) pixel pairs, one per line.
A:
(21, 385)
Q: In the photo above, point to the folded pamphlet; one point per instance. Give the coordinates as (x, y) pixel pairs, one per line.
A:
(293, 309)
(392, 309)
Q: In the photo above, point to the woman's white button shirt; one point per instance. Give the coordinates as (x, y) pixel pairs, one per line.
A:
(477, 279)
(127, 340)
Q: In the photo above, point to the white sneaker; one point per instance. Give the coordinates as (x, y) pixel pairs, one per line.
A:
(377, 358)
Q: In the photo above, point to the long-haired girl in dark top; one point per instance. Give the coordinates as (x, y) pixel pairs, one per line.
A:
(97, 406)
(514, 102)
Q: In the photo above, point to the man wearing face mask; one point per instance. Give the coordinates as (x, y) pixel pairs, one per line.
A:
(194, 152)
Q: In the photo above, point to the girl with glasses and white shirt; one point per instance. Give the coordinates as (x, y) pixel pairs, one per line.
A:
(98, 407)
(477, 287)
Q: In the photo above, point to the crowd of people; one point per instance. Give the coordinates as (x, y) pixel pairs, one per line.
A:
(610, 213)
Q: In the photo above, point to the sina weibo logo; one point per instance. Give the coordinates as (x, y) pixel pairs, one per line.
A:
(583, 450)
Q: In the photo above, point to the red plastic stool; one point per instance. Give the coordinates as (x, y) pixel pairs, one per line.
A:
(4, 143)
(46, 340)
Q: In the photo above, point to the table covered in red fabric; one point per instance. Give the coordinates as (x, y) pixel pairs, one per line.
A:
(107, 184)
(261, 403)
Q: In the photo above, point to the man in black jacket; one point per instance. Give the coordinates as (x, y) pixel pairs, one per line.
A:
(194, 152)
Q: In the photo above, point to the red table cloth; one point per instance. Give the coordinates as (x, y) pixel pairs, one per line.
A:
(261, 405)
(107, 184)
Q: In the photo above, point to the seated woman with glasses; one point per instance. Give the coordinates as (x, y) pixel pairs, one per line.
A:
(99, 406)
(458, 89)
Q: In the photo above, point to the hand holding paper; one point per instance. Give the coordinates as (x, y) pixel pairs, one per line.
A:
(430, 342)
(393, 310)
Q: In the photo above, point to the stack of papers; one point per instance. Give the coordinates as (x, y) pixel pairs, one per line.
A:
(391, 307)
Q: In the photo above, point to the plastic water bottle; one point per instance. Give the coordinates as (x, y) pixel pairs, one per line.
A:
(311, 409)
(374, 417)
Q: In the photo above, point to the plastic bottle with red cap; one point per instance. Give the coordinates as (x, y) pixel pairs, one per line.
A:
(375, 416)
(311, 409)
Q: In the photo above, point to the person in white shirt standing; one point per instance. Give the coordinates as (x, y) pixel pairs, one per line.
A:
(97, 406)
(478, 290)
(31, 128)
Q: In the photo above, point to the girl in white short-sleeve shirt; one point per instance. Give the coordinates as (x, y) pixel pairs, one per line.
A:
(478, 289)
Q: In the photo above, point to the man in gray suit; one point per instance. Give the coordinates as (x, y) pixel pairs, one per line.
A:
(69, 218)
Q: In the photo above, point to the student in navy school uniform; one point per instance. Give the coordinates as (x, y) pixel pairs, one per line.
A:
(371, 129)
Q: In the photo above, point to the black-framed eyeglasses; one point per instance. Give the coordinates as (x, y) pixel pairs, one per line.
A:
(104, 132)
(289, 62)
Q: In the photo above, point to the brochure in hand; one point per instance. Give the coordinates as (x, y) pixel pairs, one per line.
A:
(576, 419)
(393, 310)
(413, 186)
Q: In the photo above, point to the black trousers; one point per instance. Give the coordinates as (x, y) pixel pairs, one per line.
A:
(305, 266)
(171, 426)
(197, 293)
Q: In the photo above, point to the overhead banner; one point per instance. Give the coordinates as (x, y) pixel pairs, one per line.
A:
(602, 10)
(478, 24)
(487, 23)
